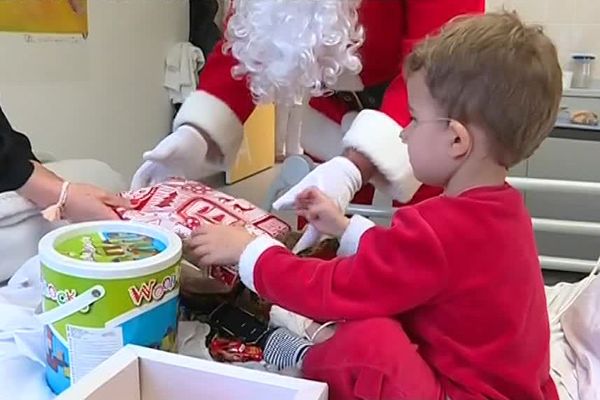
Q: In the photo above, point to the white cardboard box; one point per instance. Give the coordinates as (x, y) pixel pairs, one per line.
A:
(137, 373)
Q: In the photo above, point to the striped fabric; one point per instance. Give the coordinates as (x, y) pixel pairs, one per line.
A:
(283, 349)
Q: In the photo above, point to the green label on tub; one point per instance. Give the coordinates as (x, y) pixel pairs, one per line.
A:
(124, 299)
(110, 247)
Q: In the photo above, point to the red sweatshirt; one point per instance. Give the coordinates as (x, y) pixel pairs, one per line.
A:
(460, 273)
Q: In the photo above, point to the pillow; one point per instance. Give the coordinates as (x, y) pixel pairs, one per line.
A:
(581, 325)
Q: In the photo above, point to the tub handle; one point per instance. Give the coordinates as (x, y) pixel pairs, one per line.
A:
(80, 302)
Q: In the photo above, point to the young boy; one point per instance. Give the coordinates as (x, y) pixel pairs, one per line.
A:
(448, 302)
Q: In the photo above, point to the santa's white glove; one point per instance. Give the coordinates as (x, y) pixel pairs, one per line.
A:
(338, 178)
(181, 154)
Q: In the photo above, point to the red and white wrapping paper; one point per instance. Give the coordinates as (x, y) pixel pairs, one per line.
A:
(182, 206)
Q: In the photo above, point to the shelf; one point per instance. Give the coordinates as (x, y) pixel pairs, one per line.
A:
(567, 125)
(588, 93)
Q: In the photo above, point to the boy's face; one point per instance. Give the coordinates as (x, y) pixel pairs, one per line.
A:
(429, 136)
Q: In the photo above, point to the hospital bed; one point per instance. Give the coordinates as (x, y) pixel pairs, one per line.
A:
(575, 360)
(294, 168)
(574, 381)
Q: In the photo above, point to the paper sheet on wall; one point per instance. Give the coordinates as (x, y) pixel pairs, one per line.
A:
(44, 16)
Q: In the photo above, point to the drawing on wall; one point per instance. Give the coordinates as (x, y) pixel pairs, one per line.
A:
(44, 16)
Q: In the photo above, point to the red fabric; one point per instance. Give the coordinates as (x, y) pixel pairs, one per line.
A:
(420, 18)
(462, 276)
(383, 52)
(216, 79)
(425, 192)
(358, 367)
(392, 28)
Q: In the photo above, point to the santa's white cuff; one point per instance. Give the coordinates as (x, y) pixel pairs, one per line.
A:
(352, 235)
(377, 136)
(214, 117)
(250, 257)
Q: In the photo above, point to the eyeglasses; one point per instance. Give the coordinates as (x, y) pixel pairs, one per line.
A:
(414, 123)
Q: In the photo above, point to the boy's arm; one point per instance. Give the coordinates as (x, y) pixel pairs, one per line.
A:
(393, 271)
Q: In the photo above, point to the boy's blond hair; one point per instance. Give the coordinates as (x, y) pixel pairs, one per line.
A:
(497, 73)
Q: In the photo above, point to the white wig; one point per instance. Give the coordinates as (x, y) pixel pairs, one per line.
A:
(291, 50)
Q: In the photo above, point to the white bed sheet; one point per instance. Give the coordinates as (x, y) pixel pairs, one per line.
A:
(22, 354)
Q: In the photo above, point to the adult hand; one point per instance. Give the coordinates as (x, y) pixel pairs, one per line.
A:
(87, 202)
(339, 179)
(181, 154)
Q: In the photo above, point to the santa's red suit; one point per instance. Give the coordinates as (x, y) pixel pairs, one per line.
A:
(221, 104)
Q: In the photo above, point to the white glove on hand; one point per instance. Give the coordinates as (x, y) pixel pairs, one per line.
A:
(338, 178)
(181, 154)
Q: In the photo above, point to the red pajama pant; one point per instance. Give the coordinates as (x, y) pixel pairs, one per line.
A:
(372, 359)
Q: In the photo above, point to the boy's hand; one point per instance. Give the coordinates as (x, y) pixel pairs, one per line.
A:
(321, 212)
(217, 245)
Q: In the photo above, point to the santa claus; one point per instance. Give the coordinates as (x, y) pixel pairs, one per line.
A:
(333, 69)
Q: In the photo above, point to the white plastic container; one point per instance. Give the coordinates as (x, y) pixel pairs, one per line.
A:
(583, 70)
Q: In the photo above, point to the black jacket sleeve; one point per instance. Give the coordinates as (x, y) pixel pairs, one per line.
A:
(15, 157)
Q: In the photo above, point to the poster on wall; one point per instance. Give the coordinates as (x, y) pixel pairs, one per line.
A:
(44, 16)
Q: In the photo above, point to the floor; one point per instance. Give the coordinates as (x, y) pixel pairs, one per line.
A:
(255, 189)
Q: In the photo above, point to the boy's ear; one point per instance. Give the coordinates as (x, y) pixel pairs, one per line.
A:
(462, 140)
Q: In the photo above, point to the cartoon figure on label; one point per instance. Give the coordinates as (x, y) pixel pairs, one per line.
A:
(89, 250)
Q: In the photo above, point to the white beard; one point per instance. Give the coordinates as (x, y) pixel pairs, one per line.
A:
(291, 50)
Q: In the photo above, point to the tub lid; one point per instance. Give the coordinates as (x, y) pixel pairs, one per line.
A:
(108, 246)
(110, 249)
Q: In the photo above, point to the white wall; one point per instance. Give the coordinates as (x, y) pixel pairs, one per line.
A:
(101, 97)
(574, 25)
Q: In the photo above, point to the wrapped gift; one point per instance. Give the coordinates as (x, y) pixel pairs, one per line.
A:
(182, 206)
